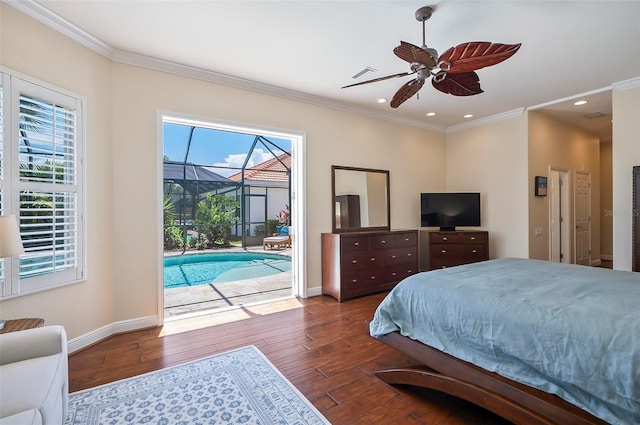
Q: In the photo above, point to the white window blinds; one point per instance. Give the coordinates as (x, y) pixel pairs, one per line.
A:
(44, 175)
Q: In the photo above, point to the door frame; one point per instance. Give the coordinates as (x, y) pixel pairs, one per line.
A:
(297, 185)
(565, 212)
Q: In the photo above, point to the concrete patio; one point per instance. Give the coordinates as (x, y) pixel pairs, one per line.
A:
(200, 299)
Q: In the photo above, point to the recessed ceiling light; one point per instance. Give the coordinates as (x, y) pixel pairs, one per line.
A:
(431, 114)
(580, 102)
(468, 116)
(382, 100)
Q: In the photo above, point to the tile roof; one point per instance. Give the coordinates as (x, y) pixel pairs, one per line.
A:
(269, 171)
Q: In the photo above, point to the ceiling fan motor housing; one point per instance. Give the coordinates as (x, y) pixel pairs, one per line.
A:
(431, 52)
(424, 13)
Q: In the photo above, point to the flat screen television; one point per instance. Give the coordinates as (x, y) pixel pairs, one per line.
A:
(448, 210)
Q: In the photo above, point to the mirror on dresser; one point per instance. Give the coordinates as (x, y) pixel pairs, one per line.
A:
(360, 199)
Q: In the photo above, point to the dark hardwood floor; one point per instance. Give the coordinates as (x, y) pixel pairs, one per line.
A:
(321, 346)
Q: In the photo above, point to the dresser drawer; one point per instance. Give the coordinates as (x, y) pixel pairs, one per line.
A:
(365, 279)
(400, 256)
(441, 263)
(382, 241)
(399, 272)
(362, 259)
(354, 243)
(458, 237)
(475, 252)
(408, 239)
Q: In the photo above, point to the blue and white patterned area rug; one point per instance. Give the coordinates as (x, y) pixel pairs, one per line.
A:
(236, 387)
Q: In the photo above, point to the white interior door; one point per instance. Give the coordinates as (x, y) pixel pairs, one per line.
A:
(582, 238)
(559, 230)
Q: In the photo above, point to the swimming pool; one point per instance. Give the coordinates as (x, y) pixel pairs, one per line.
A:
(202, 269)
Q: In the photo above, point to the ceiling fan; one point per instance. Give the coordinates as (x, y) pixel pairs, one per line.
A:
(452, 72)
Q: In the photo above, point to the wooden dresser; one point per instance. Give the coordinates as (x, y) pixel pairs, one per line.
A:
(356, 264)
(446, 249)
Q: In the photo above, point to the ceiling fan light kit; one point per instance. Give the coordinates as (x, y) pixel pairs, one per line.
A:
(453, 72)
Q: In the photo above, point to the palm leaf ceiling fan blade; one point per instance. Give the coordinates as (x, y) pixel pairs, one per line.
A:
(462, 84)
(413, 54)
(405, 92)
(402, 74)
(475, 55)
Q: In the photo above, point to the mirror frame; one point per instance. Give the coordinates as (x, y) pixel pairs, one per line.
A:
(387, 227)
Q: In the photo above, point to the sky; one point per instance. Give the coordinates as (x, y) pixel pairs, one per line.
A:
(216, 147)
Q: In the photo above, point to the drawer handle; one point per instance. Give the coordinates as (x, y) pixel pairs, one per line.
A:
(383, 241)
(409, 271)
(372, 259)
(444, 251)
(406, 239)
(354, 261)
(409, 255)
(394, 274)
(354, 281)
(393, 256)
(473, 238)
(444, 239)
(356, 244)
(474, 251)
(373, 278)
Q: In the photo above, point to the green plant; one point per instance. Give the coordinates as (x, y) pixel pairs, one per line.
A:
(214, 217)
(168, 210)
(283, 216)
(259, 230)
(173, 235)
(272, 223)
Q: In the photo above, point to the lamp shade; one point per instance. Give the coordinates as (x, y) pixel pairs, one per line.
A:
(10, 242)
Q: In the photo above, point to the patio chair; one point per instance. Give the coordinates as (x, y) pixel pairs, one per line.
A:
(280, 239)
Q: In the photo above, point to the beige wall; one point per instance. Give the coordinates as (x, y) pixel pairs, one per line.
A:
(37, 51)
(626, 154)
(26, 47)
(332, 138)
(555, 143)
(123, 167)
(492, 160)
(606, 202)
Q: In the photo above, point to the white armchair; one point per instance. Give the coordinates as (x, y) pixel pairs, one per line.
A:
(34, 378)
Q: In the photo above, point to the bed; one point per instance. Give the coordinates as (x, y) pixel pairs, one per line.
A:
(533, 341)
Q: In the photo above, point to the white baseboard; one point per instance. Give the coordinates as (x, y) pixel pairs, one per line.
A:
(104, 332)
(97, 335)
(314, 292)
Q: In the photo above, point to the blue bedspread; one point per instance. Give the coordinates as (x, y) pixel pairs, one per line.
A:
(569, 330)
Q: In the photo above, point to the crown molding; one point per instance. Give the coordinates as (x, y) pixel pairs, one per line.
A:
(64, 27)
(514, 113)
(627, 84)
(162, 65)
(569, 98)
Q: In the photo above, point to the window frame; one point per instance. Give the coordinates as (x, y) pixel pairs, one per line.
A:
(14, 85)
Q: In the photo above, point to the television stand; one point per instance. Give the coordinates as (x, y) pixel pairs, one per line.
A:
(447, 228)
(442, 249)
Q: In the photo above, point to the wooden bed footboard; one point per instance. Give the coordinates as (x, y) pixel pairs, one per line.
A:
(512, 400)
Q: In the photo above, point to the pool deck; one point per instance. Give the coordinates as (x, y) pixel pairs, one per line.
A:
(200, 299)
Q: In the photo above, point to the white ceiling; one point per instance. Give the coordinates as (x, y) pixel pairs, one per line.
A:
(312, 48)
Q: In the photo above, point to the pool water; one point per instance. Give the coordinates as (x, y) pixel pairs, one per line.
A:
(202, 269)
